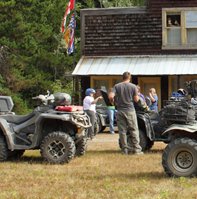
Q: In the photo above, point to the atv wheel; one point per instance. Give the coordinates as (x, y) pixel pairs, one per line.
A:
(98, 126)
(15, 155)
(3, 149)
(145, 142)
(180, 158)
(102, 128)
(81, 146)
(57, 147)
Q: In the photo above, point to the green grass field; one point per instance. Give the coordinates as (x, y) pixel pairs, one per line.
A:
(102, 173)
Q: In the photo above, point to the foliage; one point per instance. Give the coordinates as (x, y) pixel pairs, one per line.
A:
(122, 3)
(30, 30)
(58, 87)
(33, 58)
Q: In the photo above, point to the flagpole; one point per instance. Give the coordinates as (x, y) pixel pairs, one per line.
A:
(69, 37)
(76, 83)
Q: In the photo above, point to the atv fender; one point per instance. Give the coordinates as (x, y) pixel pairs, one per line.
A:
(65, 117)
(145, 119)
(191, 128)
(7, 132)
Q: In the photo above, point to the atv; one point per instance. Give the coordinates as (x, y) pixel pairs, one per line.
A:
(58, 132)
(180, 155)
(175, 125)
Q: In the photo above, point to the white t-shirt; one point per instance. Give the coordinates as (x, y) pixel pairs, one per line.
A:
(87, 104)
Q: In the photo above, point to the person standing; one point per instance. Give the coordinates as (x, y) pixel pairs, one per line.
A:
(111, 110)
(140, 94)
(141, 105)
(89, 106)
(125, 96)
(154, 100)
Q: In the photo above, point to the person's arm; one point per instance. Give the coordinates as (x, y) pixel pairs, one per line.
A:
(136, 98)
(115, 97)
(96, 100)
(151, 97)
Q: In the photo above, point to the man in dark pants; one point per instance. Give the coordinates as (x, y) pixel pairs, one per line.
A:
(125, 94)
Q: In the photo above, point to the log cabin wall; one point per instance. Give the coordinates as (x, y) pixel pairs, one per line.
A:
(127, 31)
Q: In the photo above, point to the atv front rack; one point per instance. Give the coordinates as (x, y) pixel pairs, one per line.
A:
(81, 119)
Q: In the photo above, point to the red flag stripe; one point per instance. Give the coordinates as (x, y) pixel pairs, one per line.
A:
(69, 8)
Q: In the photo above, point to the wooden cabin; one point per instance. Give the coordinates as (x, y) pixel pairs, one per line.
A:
(156, 43)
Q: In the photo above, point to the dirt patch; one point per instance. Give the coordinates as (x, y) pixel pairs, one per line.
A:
(105, 137)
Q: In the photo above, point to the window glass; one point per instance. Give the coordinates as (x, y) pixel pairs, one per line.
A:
(184, 79)
(192, 36)
(173, 20)
(191, 19)
(174, 36)
(173, 87)
(179, 28)
(101, 84)
(115, 81)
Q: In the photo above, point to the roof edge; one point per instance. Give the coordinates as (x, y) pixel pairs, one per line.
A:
(115, 11)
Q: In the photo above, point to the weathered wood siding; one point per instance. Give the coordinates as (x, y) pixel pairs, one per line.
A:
(121, 34)
(127, 31)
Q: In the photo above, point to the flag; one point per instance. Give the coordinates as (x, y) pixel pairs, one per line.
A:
(70, 7)
(69, 35)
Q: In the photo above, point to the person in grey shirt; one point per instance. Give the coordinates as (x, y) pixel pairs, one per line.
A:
(125, 94)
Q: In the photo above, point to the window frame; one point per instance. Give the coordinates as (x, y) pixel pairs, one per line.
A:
(184, 44)
(110, 80)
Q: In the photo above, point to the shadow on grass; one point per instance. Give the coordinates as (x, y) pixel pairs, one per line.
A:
(95, 152)
(152, 151)
(132, 176)
(155, 151)
(29, 159)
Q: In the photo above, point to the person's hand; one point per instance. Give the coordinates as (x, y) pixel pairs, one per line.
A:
(100, 97)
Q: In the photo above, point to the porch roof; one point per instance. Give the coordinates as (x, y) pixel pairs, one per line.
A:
(137, 65)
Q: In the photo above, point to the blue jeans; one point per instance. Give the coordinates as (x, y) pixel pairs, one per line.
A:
(111, 115)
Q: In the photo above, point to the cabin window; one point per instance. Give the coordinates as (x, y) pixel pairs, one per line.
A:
(104, 83)
(179, 28)
(191, 27)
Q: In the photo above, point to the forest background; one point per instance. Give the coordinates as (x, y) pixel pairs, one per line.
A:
(33, 57)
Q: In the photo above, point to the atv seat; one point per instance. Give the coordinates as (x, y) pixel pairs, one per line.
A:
(153, 115)
(17, 119)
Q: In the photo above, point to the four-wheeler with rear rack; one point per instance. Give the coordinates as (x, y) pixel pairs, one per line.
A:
(54, 127)
(180, 155)
(175, 125)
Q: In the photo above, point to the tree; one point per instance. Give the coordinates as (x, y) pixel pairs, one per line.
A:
(36, 60)
(30, 29)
